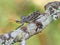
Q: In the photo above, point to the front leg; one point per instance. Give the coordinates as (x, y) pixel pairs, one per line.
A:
(23, 42)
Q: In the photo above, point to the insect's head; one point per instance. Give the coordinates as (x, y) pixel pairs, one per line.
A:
(22, 19)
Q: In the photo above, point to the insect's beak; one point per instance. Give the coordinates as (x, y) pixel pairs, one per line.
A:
(17, 21)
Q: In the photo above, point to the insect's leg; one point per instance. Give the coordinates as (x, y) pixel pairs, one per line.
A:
(23, 42)
(20, 26)
(7, 42)
(38, 24)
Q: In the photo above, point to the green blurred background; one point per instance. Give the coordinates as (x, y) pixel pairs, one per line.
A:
(10, 10)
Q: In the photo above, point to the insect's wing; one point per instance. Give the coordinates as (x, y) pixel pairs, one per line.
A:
(33, 15)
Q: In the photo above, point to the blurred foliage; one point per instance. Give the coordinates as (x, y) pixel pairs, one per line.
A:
(25, 8)
(52, 32)
(7, 15)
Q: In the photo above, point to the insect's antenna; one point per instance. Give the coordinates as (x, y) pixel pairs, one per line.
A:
(19, 26)
(17, 21)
